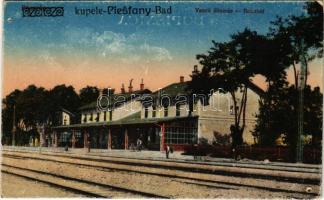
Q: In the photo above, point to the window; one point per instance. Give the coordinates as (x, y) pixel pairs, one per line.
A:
(180, 135)
(177, 110)
(91, 117)
(153, 111)
(97, 118)
(110, 115)
(65, 136)
(65, 120)
(232, 112)
(84, 118)
(105, 115)
(78, 134)
(145, 112)
(166, 111)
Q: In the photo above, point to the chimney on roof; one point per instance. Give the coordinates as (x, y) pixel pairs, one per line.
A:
(181, 79)
(108, 91)
(122, 90)
(130, 87)
(142, 85)
(111, 91)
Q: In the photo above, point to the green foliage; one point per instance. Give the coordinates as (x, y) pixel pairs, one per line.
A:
(230, 66)
(221, 139)
(279, 112)
(313, 114)
(301, 37)
(31, 106)
(63, 96)
(35, 106)
(7, 113)
(272, 118)
(88, 94)
(279, 109)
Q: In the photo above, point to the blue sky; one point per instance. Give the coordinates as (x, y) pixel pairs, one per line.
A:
(176, 38)
(98, 46)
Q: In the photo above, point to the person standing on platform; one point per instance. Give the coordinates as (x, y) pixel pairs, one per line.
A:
(88, 142)
(167, 151)
(139, 144)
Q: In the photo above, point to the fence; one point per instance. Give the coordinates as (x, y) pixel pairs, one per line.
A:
(284, 154)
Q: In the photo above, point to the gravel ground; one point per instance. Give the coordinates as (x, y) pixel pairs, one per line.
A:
(171, 187)
(233, 180)
(14, 187)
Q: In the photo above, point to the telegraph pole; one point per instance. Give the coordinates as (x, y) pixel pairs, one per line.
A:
(302, 76)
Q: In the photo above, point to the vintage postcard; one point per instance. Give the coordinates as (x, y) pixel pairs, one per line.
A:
(162, 99)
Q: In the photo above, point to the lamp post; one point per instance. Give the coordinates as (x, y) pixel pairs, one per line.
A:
(14, 127)
(41, 130)
(302, 76)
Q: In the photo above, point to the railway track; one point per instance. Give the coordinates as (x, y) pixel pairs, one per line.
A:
(285, 174)
(183, 177)
(88, 188)
(49, 181)
(288, 167)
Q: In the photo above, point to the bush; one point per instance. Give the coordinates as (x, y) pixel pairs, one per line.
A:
(221, 139)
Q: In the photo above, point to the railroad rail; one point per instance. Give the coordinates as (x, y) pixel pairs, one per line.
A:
(182, 176)
(229, 163)
(88, 188)
(286, 174)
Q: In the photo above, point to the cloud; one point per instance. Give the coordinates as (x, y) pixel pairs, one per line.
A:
(131, 48)
(112, 45)
(158, 53)
(82, 47)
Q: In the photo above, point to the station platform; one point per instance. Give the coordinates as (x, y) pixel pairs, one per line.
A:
(173, 157)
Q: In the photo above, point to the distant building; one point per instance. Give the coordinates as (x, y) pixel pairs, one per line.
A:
(169, 116)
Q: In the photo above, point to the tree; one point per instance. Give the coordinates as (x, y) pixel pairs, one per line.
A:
(274, 111)
(301, 36)
(88, 94)
(34, 106)
(280, 116)
(271, 56)
(298, 38)
(313, 114)
(31, 106)
(9, 102)
(62, 96)
(231, 65)
(227, 66)
(30, 109)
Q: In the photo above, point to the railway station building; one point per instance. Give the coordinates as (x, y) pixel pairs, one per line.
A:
(168, 116)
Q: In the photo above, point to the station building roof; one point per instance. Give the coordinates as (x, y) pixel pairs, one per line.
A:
(113, 99)
(129, 120)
